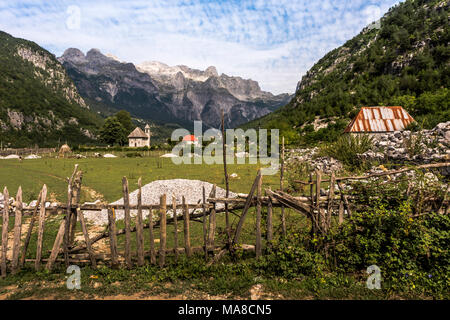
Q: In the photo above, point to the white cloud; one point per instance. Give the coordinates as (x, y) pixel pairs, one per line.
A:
(274, 42)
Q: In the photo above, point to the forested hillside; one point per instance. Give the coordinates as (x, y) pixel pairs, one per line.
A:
(405, 62)
(39, 104)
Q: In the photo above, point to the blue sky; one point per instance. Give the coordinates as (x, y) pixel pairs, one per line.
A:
(271, 41)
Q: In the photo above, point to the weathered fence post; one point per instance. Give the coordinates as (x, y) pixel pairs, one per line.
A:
(227, 186)
(151, 237)
(30, 230)
(162, 230)
(248, 202)
(112, 237)
(126, 203)
(37, 262)
(344, 198)
(140, 227)
(5, 225)
(320, 212)
(68, 216)
(341, 212)
(212, 221)
(283, 216)
(86, 238)
(187, 234)
(269, 223)
(175, 226)
(258, 246)
(17, 231)
(330, 200)
(205, 228)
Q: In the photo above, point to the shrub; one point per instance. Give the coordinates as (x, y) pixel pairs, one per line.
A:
(411, 253)
(348, 147)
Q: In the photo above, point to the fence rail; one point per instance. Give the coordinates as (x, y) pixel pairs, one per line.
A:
(316, 207)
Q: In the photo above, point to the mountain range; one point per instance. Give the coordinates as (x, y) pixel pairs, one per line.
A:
(157, 92)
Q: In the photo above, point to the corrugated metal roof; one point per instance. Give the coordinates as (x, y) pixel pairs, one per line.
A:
(138, 133)
(380, 119)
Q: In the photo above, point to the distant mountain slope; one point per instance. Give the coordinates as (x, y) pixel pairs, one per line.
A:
(39, 103)
(406, 62)
(154, 91)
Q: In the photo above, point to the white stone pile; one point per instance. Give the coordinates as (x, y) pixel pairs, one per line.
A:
(190, 189)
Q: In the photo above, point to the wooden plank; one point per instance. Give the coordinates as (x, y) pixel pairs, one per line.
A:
(68, 216)
(75, 202)
(126, 202)
(258, 246)
(205, 227)
(175, 226)
(113, 237)
(5, 224)
(245, 210)
(212, 221)
(30, 230)
(187, 234)
(40, 236)
(344, 198)
(17, 232)
(341, 212)
(56, 245)
(140, 227)
(86, 238)
(283, 215)
(227, 186)
(319, 210)
(152, 238)
(269, 224)
(330, 200)
(162, 230)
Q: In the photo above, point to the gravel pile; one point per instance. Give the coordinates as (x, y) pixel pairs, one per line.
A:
(190, 189)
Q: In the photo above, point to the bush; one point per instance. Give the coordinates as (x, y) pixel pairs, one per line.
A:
(411, 253)
(348, 147)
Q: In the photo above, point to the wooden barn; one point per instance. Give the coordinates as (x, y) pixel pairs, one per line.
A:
(379, 120)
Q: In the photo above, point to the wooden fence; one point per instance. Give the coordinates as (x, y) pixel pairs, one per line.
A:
(319, 209)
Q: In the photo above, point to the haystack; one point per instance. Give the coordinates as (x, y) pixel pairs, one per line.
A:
(64, 149)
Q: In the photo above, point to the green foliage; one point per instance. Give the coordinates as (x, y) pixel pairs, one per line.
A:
(113, 132)
(373, 69)
(124, 118)
(411, 253)
(347, 148)
(38, 94)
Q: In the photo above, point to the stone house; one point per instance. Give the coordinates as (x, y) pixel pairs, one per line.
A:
(139, 138)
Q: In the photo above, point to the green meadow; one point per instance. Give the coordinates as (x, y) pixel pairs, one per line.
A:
(104, 175)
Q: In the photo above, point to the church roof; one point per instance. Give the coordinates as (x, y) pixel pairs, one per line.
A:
(137, 133)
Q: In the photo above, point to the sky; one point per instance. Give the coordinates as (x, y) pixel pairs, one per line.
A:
(271, 41)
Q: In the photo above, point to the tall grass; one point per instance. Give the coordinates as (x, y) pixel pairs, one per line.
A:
(347, 148)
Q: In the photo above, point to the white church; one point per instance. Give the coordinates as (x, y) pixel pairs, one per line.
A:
(139, 138)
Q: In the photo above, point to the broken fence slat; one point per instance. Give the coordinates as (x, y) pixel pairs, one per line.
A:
(140, 227)
(5, 224)
(40, 236)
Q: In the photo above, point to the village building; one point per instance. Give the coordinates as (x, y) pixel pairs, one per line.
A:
(139, 138)
(190, 139)
(380, 120)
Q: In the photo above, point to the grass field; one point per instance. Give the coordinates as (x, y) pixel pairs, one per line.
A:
(234, 277)
(104, 175)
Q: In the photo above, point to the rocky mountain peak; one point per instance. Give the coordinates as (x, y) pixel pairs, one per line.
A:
(211, 72)
(73, 54)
